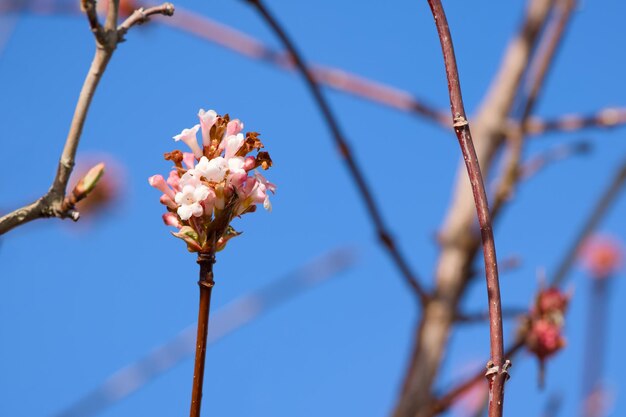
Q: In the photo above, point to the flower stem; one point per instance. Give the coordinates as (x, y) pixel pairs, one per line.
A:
(206, 261)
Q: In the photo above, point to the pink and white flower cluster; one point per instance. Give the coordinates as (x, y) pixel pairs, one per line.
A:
(215, 182)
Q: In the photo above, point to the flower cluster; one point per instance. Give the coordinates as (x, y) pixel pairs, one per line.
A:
(544, 325)
(213, 183)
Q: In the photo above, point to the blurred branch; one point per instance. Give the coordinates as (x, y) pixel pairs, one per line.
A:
(557, 153)
(606, 118)
(459, 242)
(538, 71)
(52, 203)
(597, 215)
(497, 371)
(141, 16)
(228, 319)
(336, 78)
(358, 177)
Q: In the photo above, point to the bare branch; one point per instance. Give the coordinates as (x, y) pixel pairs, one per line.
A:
(89, 7)
(459, 242)
(562, 151)
(336, 78)
(141, 16)
(357, 175)
(464, 136)
(597, 215)
(606, 118)
(53, 204)
(483, 316)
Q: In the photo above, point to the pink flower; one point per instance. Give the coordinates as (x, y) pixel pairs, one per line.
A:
(170, 219)
(158, 182)
(188, 136)
(234, 127)
(174, 180)
(189, 159)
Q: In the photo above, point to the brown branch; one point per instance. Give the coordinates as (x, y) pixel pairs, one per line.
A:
(206, 283)
(341, 80)
(459, 242)
(52, 203)
(607, 118)
(597, 215)
(357, 175)
(444, 402)
(464, 136)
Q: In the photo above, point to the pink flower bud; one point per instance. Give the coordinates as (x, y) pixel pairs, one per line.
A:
(249, 163)
(551, 300)
(189, 159)
(158, 182)
(170, 219)
(167, 201)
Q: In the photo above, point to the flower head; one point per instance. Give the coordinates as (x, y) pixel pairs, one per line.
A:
(213, 183)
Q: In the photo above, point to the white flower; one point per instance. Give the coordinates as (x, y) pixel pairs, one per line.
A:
(188, 136)
(213, 170)
(189, 200)
(233, 143)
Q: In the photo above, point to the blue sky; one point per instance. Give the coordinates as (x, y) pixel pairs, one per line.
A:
(77, 303)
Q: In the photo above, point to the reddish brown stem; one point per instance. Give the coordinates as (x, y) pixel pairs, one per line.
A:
(464, 136)
(206, 261)
(384, 235)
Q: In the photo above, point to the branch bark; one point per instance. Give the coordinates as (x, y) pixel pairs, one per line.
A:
(497, 372)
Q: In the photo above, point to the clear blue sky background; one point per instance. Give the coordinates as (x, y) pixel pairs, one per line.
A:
(77, 303)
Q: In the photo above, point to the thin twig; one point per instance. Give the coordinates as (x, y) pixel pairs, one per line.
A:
(141, 16)
(561, 151)
(464, 136)
(606, 118)
(356, 173)
(597, 215)
(52, 203)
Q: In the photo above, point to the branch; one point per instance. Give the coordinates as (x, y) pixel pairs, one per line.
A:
(562, 151)
(539, 68)
(141, 16)
(52, 203)
(606, 118)
(483, 316)
(357, 175)
(459, 242)
(445, 401)
(464, 136)
(230, 38)
(597, 215)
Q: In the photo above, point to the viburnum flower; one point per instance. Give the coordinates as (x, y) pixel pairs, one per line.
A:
(215, 182)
